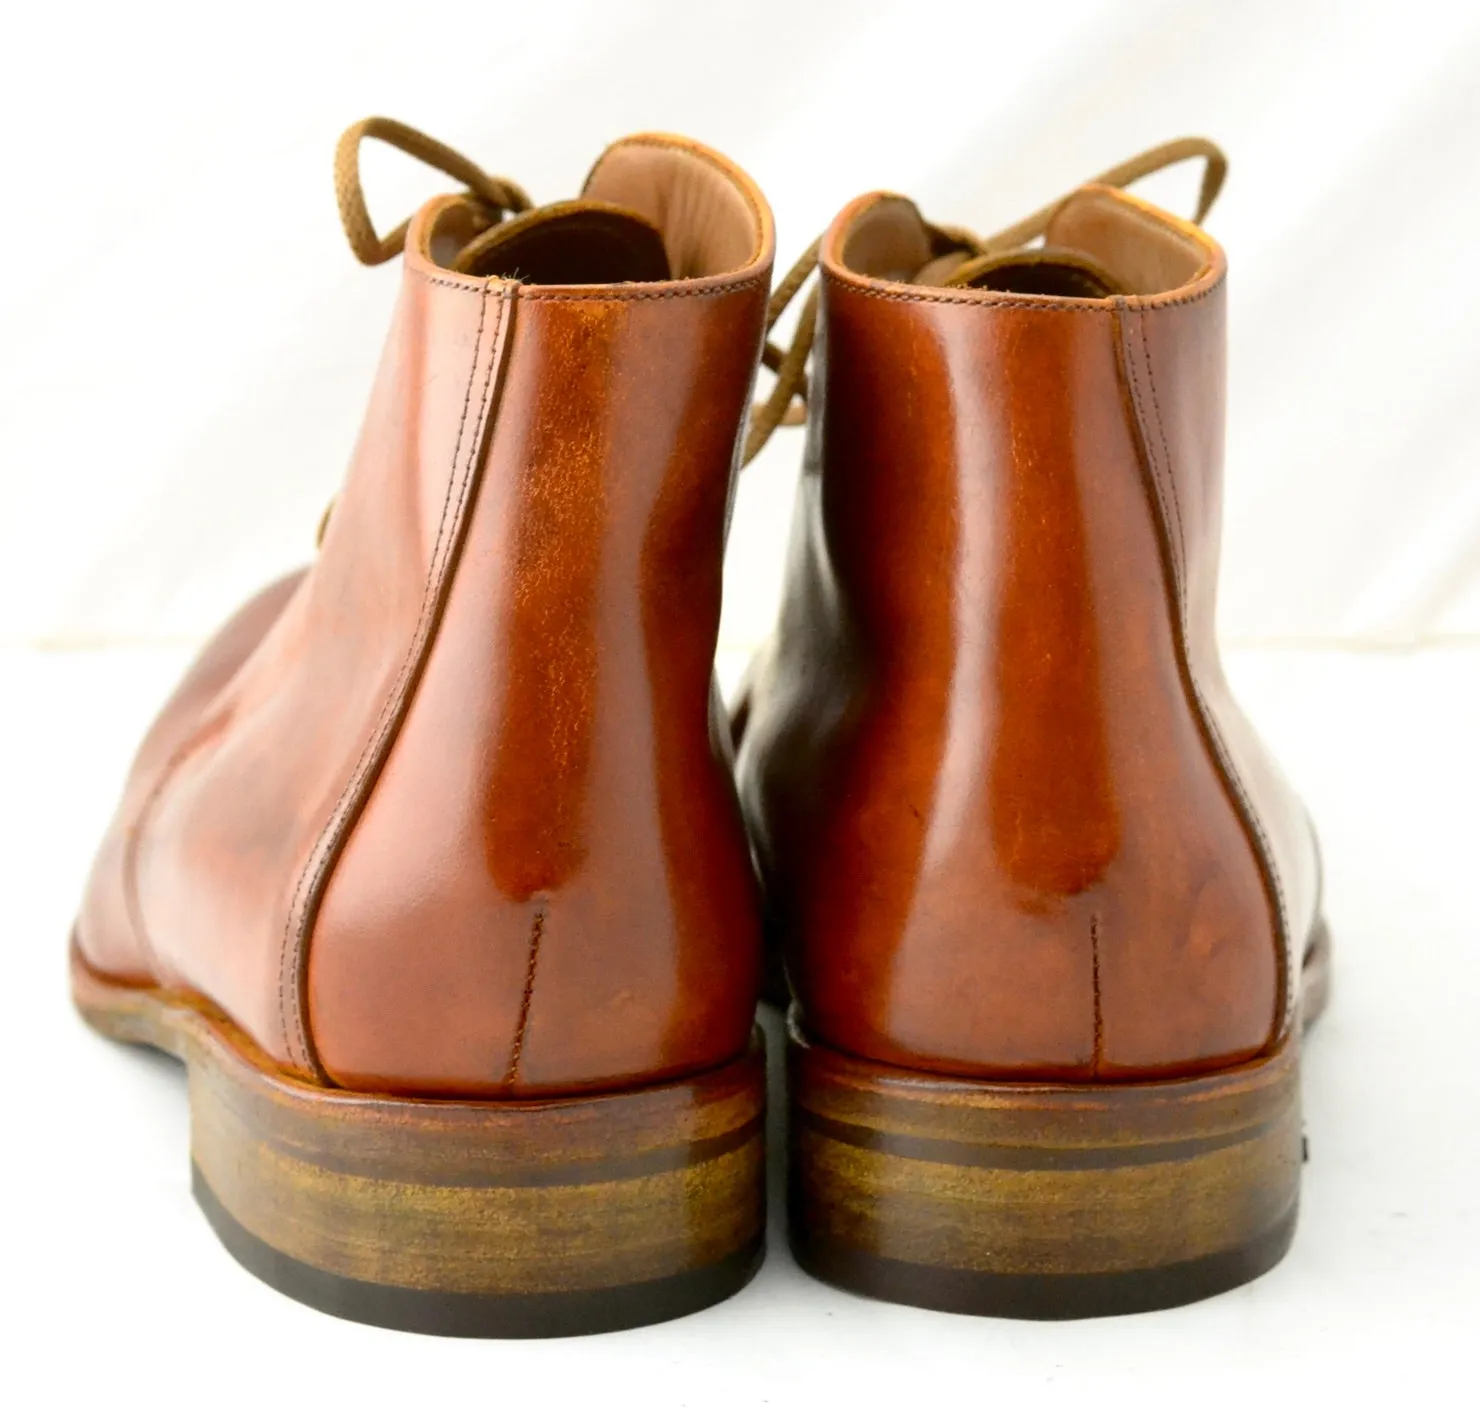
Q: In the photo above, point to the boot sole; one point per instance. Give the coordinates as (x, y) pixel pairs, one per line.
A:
(1041, 1201)
(504, 1219)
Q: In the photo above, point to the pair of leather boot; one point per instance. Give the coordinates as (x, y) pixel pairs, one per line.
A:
(449, 874)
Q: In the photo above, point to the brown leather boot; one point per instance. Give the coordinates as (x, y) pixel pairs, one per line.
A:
(1043, 896)
(432, 870)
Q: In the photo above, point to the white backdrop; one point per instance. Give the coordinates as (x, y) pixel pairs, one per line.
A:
(187, 342)
(185, 349)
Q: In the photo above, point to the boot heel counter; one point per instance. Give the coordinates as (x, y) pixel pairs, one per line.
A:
(550, 890)
(1036, 860)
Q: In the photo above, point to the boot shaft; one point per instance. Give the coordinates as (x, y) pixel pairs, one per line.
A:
(462, 821)
(557, 775)
(1041, 838)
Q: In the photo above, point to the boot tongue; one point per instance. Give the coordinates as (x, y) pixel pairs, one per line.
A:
(1037, 271)
(577, 243)
(1031, 271)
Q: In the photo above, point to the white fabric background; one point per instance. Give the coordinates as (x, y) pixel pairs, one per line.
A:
(187, 343)
(185, 349)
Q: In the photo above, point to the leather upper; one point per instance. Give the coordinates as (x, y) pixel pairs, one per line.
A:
(451, 812)
(1010, 821)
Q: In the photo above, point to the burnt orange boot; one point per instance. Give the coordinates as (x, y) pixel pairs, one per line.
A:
(1049, 911)
(432, 870)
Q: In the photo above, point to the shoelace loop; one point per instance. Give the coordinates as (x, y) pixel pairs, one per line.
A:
(786, 403)
(496, 197)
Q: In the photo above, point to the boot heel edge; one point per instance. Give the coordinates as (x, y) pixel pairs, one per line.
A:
(460, 1314)
(1040, 1201)
(527, 1219)
(489, 1218)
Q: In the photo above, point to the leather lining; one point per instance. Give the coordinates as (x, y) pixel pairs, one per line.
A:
(890, 240)
(710, 225)
(1119, 245)
(1147, 251)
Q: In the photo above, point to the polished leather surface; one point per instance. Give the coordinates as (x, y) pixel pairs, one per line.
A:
(108, 922)
(453, 812)
(1009, 820)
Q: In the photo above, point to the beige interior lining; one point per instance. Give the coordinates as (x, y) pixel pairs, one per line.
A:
(1147, 251)
(1144, 251)
(708, 224)
(454, 223)
(889, 241)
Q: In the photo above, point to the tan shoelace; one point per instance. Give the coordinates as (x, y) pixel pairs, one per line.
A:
(786, 404)
(494, 199)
